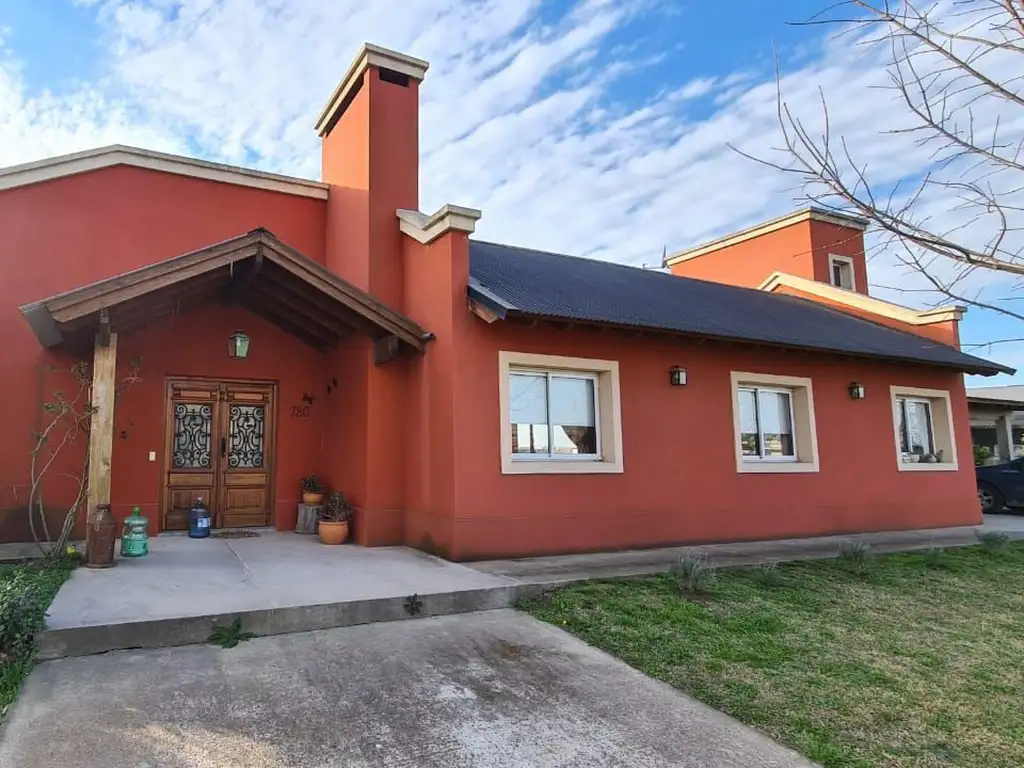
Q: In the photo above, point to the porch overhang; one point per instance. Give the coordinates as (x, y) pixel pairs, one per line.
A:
(255, 271)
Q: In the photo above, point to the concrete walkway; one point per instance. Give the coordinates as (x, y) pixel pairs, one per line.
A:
(277, 582)
(283, 582)
(496, 689)
(545, 572)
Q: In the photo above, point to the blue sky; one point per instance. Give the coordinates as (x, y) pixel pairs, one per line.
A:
(619, 110)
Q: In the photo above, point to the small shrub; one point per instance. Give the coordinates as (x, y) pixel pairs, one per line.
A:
(857, 556)
(21, 615)
(692, 574)
(769, 574)
(982, 453)
(994, 542)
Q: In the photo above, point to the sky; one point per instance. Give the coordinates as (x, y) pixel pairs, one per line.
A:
(606, 124)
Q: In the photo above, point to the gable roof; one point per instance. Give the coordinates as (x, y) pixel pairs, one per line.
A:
(117, 154)
(512, 281)
(255, 270)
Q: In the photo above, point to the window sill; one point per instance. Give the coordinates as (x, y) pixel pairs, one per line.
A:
(560, 467)
(906, 466)
(776, 467)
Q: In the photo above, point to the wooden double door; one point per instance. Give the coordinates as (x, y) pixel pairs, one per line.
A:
(219, 447)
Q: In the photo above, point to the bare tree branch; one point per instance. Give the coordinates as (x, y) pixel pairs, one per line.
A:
(957, 70)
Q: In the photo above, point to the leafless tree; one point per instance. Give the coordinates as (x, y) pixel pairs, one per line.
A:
(956, 68)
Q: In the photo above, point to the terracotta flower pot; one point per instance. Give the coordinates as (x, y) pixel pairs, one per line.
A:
(332, 533)
(312, 499)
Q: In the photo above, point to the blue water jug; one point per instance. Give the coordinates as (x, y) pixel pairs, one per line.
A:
(198, 520)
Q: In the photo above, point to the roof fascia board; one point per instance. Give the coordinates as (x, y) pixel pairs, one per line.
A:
(860, 301)
(107, 157)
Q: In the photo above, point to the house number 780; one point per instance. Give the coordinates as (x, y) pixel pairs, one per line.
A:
(301, 411)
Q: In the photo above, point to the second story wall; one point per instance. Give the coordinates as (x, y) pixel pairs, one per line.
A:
(811, 244)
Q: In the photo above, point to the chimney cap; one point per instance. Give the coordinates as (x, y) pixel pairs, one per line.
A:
(369, 55)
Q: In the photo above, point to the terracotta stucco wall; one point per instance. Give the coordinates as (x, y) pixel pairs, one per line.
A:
(800, 249)
(749, 262)
(62, 234)
(831, 239)
(680, 482)
(196, 345)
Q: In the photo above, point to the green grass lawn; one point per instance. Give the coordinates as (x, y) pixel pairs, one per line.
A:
(16, 664)
(920, 662)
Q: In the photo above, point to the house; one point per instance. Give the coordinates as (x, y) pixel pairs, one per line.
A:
(475, 399)
(997, 420)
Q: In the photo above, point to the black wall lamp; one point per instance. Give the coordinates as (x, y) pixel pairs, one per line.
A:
(677, 376)
(856, 391)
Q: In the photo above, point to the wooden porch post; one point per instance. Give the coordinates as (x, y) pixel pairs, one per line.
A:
(101, 428)
(101, 528)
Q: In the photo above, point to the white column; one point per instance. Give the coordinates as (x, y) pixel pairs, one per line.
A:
(1004, 436)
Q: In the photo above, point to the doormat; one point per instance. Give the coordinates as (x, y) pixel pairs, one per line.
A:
(235, 535)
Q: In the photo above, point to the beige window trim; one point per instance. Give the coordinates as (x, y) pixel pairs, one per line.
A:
(943, 435)
(833, 259)
(608, 410)
(805, 433)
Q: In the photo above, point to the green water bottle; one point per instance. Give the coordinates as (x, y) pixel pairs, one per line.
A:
(135, 535)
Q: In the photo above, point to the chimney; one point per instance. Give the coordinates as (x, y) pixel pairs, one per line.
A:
(370, 157)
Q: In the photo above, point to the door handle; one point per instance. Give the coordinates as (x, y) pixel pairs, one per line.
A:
(223, 447)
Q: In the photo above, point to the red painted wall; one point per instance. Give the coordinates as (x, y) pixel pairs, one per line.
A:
(801, 249)
(196, 345)
(827, 239)
(65, 233)
(680, 482)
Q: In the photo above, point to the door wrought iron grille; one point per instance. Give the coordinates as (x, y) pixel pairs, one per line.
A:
(193, 436)
(246, 433)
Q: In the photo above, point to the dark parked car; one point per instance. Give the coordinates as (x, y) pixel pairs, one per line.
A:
(1000, 485)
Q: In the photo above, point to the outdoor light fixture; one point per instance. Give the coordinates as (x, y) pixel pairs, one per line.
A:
(677, 376)
(238, 345)
(856, 391)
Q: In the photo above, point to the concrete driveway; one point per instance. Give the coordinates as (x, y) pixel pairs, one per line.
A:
(491, 689)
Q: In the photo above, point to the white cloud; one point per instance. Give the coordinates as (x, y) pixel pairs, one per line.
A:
(522, 114)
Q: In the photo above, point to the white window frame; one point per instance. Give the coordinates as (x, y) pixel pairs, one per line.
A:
(548, 374)
(801, 405)
(943, 436)
(607, 412)
(757, 389)
(837, 259)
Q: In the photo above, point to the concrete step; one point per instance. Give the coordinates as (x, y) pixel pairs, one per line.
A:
(189, 630)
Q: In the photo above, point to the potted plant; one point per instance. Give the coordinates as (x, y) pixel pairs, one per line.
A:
(334, 517)
(312, 490)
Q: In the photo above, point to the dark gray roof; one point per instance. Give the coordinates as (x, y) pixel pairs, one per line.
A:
(519, 281)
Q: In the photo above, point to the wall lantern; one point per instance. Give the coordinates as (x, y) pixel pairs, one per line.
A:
(856, 391)
(677, 376)
(238, 345)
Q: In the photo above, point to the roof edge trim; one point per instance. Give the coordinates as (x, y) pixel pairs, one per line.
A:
(806, 214)
(369, 55)
(425, 229)
(75, 163)
(860, 301)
